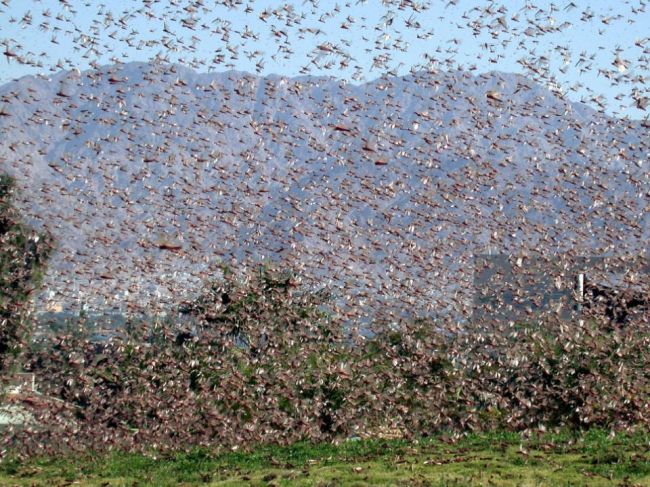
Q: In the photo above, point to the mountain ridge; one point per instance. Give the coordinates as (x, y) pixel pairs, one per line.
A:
(376, 187)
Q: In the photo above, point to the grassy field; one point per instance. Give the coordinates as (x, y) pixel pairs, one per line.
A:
(495, 459)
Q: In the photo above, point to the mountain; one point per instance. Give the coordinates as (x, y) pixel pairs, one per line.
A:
(151, 174)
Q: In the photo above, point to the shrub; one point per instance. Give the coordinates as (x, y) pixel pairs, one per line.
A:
(23, 254)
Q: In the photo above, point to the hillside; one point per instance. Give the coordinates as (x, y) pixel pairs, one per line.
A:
(149, 175)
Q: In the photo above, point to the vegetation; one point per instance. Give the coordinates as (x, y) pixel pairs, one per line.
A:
(263, 379)
(23, 254)
(265, 361)
(595, 458)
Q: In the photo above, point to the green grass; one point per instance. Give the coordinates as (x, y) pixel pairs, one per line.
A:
(492, 459)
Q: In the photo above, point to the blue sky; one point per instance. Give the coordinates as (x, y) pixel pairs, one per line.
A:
(570, 45)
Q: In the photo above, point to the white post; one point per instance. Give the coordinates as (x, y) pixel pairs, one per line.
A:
(580, 295)
(581, 287)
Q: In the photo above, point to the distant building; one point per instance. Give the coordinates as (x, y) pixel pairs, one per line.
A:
(510, 288)
(22, 403)
(54, 307)
(12, 411)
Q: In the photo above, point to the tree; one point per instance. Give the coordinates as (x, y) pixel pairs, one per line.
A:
(264, 309)
(23, 253)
